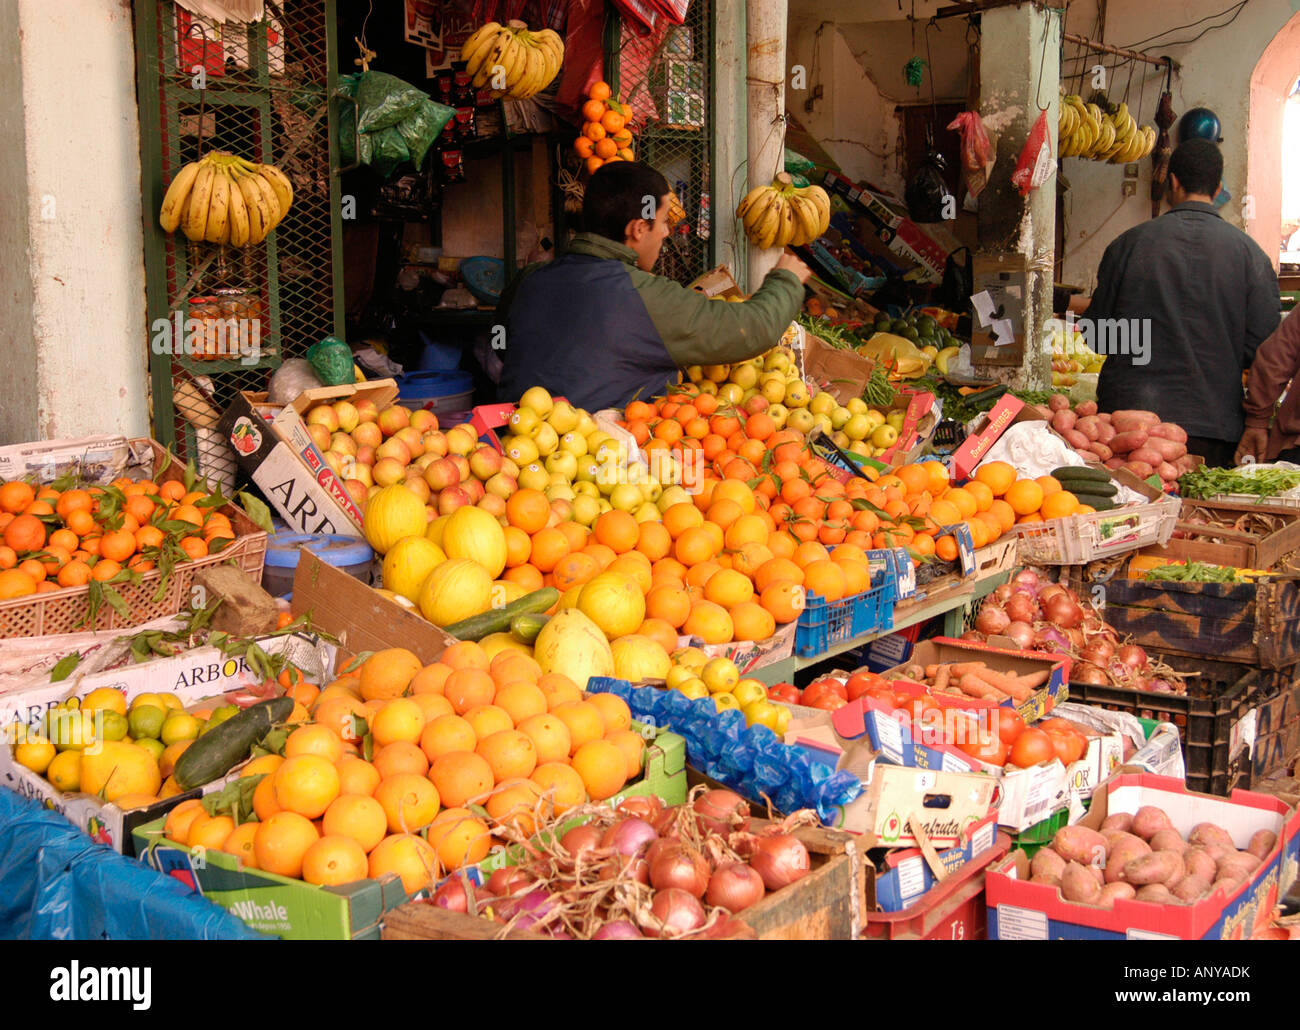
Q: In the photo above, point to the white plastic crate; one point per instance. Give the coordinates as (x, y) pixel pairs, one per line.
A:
(1079, 539)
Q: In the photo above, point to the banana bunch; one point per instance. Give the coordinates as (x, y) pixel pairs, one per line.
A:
(222, 198)
(1085, 130)
(782, 214)
(510, 56)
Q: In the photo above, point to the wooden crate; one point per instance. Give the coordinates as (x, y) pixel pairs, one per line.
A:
(422, 921)
(1254, 623)
(1219, 543)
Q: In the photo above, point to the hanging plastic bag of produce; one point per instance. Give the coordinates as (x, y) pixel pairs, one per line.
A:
(977, 154)
(384, 100)
(422, 127)
(897, 352)
(389, 150)
(927, 195)
(332, 360)
(293, 377)
(1035, 164)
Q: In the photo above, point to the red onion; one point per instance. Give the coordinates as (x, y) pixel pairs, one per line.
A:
(1132, 656)
(676, 912)
(637, 869)
(507, 880)
(618, 930)
(531, 908)
(1098, 651)
(630, 837)
(666, 824)
(991, 619)
(973, 634)
(1022, 633)
(1026, 576)
(722, 811)
(1161, 687)
(581, 838)
(647, 807)
(451, 895)
(730, 930)
(1086, 672)
(1021, 607)
(1050, 591)
(780, 860)
(735, 886)
(1062, 611)
(675, 866)
(1048, 637)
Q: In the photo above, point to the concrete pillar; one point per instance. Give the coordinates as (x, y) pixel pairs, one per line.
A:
(1016, 75)
(71, 240)
(730, 138)
(766, 29)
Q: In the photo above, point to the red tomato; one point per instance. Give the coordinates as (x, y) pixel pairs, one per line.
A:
(1031, 747)
(829, 702)
(861, 683)
(901, 698)
(786, 692)
(1010, 724)
(882, 694)
(1057, 725)
(833, 685)
(822, 688)
(1069, 746)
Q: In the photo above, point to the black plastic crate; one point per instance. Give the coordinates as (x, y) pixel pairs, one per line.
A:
(1222, 694)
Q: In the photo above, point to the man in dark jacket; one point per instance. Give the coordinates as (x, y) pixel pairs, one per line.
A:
(598, 328)
(1182, 302)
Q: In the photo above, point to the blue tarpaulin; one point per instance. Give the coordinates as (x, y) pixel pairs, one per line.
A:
(57, 884)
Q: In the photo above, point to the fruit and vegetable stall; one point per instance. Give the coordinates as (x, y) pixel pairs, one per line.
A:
(696, 667)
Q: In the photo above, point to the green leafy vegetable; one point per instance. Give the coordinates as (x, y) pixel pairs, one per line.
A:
(1204, 481)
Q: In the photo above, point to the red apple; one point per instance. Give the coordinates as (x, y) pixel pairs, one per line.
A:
(484, 462)
(367, 410)
(411, 437)
(343, 444)
(501, 485)
(393, 447)
(417, 486)
(462, 464)
(509, 467)
(562, 509)
(393, 418)
(442, 474)
(755, 404)
(365, 455)
(450, 499)
(346, 412)
(474, 488)
(423, 420)
(492, 504)
(368, 434)
(388, 471)
(362, 473)
(435, 441)
(461, 440)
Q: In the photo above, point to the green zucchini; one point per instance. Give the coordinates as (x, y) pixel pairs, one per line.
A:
(1081, 472)
(1095, 500)
(1089, 486)
(525, 628)
(214, 754)
(497, 620)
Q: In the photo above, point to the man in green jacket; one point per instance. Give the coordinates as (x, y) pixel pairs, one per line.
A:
(597, 327)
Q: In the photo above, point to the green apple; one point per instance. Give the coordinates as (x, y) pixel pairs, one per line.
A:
(801, 419)
(537, 399)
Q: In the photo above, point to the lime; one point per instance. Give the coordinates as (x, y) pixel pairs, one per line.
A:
(219, 716)
(111, 725)
(154, 747)
(178, 726)
(146, 721)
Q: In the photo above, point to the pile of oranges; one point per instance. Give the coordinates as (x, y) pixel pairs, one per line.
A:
(464, 731)
(53, 539)
(605, 133)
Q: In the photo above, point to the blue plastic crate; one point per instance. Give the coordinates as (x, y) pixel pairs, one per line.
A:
(823, 623)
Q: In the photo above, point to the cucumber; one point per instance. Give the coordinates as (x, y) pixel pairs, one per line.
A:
(525, 628)
(1081, 472)
(1096, 501)
(214, 754)
(1090, 486)
(476, 627)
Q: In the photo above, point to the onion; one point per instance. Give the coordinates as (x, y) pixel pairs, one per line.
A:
(451, 895)
(1001, 594)
(973, 634)
(507, 880)
(581, 838)
(676, 912)
(1063, 611)
(1050, 638)
(618, 930)
(637, 869)
(666, 824)
(735, 886)
(1086, 672)
(1098, 652)
(647, 807)
(722, 811)
(1022, 633)
(780, 860)
(991, 619)
(1158, 686)
(1050, 591)
(1021, 607)
(675, 866)
(1026, 576)
(1075, 637)
(630, 837)
(1132, 656)
(730, 930)
(531, 908)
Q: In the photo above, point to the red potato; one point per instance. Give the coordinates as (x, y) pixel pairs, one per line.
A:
(1128, 440)
(1102, 451)
(1157, 893)
(1243, 860)
(1086, 408)
(1047, 862)
(1167, 472)
(1144, 453)
(1089, 427)
(1078, 883)
(1112, 892)
(1156, 867)
(1190, 888)
(1121, 821)
(1218, 852)
(1113, 463)
(1047, 881)
(1185, 464)
(1139, 468)
(1079, 844)
(1058, 402)
(1198, 863)
(1167, 840)
(1086, 453)
(1063, 420)
(1169, 450)
(1169, 431)
(1211, 833)
(1228, 886)
(1138, 418)
(1148, 820)
(1123, 852)
(1107, 431)
(1262, 843)
(1076, 439)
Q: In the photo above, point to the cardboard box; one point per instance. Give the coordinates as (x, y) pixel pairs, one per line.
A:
(361, 618)
(899, 233)
(841, 373)
(273, 446)
(750, 654)
(193, 676)
(988, 430)
(1019, 910)
(908, 875)
(890, 651)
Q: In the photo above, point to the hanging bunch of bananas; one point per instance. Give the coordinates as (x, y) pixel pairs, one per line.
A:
(223, 198)
(1085, 130)
(782, 214)
(517, 63)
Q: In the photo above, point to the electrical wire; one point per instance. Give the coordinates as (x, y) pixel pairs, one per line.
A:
(1235, 8)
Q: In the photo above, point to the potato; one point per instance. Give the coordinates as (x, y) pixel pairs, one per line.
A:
(1238, 865)
(1198, 863)
(1169, 431)
(1228, 886)
(1121, 821)
(1121, 853)
(1079, 884)
(1138, 419)
(1042, 411)
(1089, 427)
(1261, 843)
(1211, 833)
(1113, 891)
(1047, 862)
(1063, 420)
(1086, 408)
(1156, 893)
(1113, 463)
(1075, 438)
(1149, 819)
(1049, 881)
(1190, 888)
(1107, 431)
(1139, 468)
(1167, 840)
(1059, 402)
(1130, 440)
(1217, 851)
(1170, 450)
(1079, 844)
(1145, 453)
(1167, 472)
(1156, 867)
(1185, 464)
(1101, 450)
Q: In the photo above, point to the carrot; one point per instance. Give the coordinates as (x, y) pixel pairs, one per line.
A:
(931, 671)
(961, 668)
(941, 674)
(1008, 685)
(973, 686)
(1033, 680)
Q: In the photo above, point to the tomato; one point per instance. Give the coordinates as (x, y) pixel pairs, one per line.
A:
(1069, 746)
(1031, 747)
(821, 688)
(883, 695)
(901, 698)
(786, 692)
(1057, 725)
(861, 683)
(829, 702)
(833, 685)
(1010, 724)
(916, 707)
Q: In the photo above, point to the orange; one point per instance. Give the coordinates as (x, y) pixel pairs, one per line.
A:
(468, 688)
(699, 575)
(857, 575)
(465, 654)
(611, 120)
(785, 600)
(148, 536)
(653, 540)
(603, 555)
(27, 533)
(488, 719)
(281, 841)
(582, 147)
(915, 478)
(333, 861)
(526, 576)
(723, 513)
(338, 714)
(661, 632)
(635, 566)
(937, 474)
(549, 546)
(562, 784)
(74, 574)
(775, 570)
(387, 673)
(16, 496)
(1050, 485)
(179, 819)
(445, 734)
(632, 744)
(401, 756)
(240, 844)
(728, 588)
(945, 548)
(945, 512)
(461, 776)
(574, 569)
(406, 856)
(615, 715)
(593, 110)
(678, 518)
(575, 533)
(409, 801)
(430, 679)
(141, 508)
(606, 148)
(982, 493)
(8, 557)
(599, 91)
(64, 538)
(528, 510)
(997, 475)
(1055, 506)
(520, 700)
(963, 500)
(668, 603)
(513, 804)
(750, 558)
(584, 721)
(510, 666)
(210, 832)
(1004, 513)
(306, 784)
(603, 768)
(357, 776)
(695, 545)
(1035, 517)
(826, 579)
(558, 689)
(710, 622)
(593, 163)
(399, 720)
(808, 552)
(17, 583)
(550, 736)
(751, 621)
(510, 754)
(519, 546)
(314, 740)
(746, 529)
(459, 838)
(1025, 496)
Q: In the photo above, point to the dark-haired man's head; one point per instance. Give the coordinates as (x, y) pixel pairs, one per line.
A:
(627, 202)
(1195, 171)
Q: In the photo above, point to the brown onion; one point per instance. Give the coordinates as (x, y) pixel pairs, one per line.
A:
(1046, 593)
(973, 634)
(507, 880)
(780, 860)
(1021, 607)
(1099, 651)
(1086, 672)
(1001, 594)
(675, 912)
(621, 868)
(1063, 611)
(1022, 633)
(645, 807)
(722, 811)
(991, 619)
(581, 838)
(666, 824)
(735, 886)
(675, 866)
(1132, 656)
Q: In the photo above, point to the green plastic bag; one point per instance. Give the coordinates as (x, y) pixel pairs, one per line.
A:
(384, 100)
(389, 150)
(423, 127)
(332, 360)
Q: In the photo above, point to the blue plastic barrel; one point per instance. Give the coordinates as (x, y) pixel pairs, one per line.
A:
(346, 553)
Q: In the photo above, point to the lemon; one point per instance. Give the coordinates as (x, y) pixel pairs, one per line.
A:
(691, 657)
(720, 675)
(747, 692)
(724, 701)
(71, 731)
(153, 746)
(171, 701)
(35, 752)
(115, 770)
(694, 688)
(106, 699)
(678, 675)
(147, 700)
(110, 725)
(65, 771)
(179, 727)
(146, 721)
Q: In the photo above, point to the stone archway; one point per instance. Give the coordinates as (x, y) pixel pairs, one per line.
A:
(1270, 83)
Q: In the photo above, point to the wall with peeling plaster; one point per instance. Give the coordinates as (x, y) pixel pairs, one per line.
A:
(71, 240)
